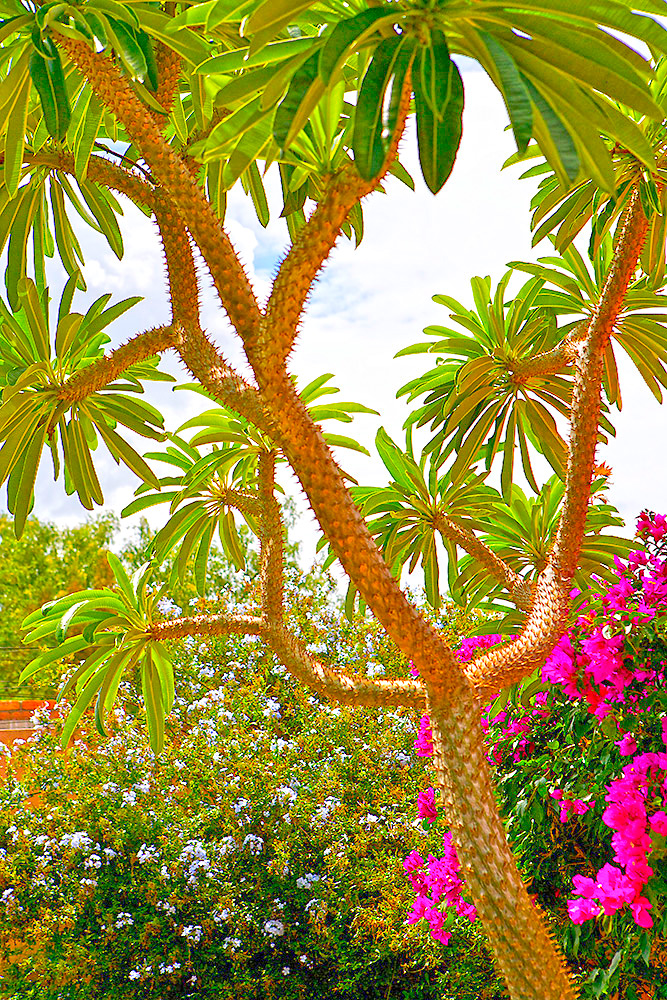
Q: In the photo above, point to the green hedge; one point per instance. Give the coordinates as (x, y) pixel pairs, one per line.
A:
(259, 856)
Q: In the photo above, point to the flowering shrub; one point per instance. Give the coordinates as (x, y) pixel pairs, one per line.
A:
(257, 857)
(581, 766)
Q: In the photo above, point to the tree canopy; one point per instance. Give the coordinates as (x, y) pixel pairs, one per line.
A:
(170, 105)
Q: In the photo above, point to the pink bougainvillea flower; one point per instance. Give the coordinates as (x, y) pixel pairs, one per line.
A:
(658, 823)
(627, 745)
(640, 908)
(424, 741)
(581, 910)
(586, 887)
(426, 806)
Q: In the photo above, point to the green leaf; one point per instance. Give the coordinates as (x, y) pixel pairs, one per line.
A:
(47, 75)
(438, 135)
(86, 136)
(201, 559)
(17, 116)
(61, 652)
(271, 17)
(16, 255)
(152, 692)
(22, 502)
(83, 701)
(243, 59)
(258, 194)
(350, 34)
(558, 133)
(513, 89)
(95, 198)
(37, 321)
(367, 138)
(304, 91)
(120, 449)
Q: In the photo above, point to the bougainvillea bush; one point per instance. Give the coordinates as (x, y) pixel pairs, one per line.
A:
(258, 856)
(581, 768)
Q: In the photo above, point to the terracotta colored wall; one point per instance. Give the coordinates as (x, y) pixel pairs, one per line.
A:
(17, 711)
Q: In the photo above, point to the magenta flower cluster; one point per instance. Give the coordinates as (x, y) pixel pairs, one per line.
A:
(593, 662)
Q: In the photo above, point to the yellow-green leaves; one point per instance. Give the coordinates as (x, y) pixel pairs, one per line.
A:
(404, 516)
(34, 413)
(521, 532)
(477, 401)
(47, 74)
(108, 633)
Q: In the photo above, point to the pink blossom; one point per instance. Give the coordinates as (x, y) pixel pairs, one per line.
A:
(658, 823)
(586, 887)
(640, 908)
(581, 910)
(424, 741)
(426, 806)
(627, 745)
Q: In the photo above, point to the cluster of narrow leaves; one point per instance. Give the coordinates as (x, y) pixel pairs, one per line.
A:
(35, 413)
(109, 632)
(473, 400)
(522, 534)
(562, 210)
(409, 519)
(558, 73)
(207, 490)
(268, 82)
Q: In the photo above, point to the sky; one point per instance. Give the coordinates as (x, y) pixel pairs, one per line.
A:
(370, 303)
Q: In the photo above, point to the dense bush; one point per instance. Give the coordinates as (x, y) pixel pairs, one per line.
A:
(258, 856)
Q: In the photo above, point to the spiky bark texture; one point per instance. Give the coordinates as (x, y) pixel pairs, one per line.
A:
(356, 691)
(274, 338)
(518, 589)
(586, 395)
(109, 368)
(236, 294)
(271, 541)
(527, 956)
(168, 75)
(181, 271)
(101, 171)
(211, 625)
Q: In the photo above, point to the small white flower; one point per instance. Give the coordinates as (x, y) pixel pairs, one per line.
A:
(305, 881)
(146, 853)
(274, 928)
(124, 920)
(254, 844)
(192, 933)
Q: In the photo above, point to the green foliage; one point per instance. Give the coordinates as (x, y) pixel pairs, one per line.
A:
(46, 563)
(33, 367)
(243, 820)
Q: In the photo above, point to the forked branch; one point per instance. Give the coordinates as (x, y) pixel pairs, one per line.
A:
(548, 618)
(271, 542)
(231, 281)
(519, 590)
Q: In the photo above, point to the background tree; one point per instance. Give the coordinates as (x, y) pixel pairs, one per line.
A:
(170, 104)
(47, 562)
